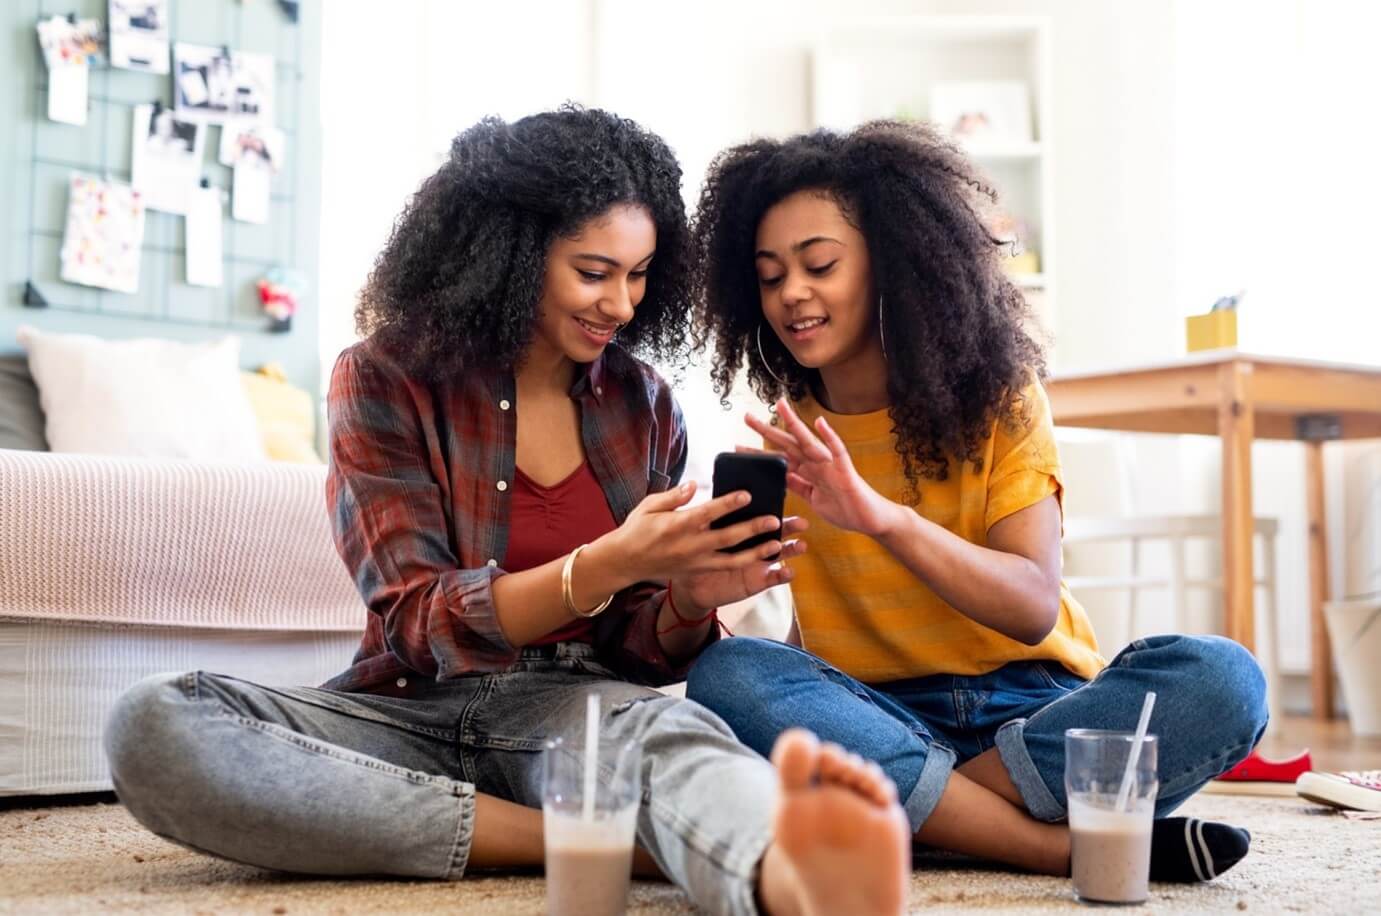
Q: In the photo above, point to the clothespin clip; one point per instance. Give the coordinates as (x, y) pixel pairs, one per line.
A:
(221, 193)
(157, 108)
(72, 18)
(225, 51)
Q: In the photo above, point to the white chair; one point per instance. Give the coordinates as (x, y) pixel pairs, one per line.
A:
(1106, 465)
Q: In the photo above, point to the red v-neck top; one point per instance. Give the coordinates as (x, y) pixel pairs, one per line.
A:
(549, 522)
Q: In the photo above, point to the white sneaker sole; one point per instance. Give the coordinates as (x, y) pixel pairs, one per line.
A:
(1328, 789)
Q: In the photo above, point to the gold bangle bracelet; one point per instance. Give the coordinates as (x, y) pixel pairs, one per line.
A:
(568, 596)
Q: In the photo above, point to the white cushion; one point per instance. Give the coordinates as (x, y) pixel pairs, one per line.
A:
(151, 398)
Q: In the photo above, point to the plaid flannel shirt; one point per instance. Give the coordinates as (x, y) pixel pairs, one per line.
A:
(418, 491)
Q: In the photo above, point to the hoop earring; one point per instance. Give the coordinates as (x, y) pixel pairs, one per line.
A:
(765, 363)
(882, 330)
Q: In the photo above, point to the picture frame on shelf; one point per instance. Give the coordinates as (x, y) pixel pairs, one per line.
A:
(983, 113)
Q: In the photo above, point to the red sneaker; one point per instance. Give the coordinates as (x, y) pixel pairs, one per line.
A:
(1256, 768)
(1358, 791)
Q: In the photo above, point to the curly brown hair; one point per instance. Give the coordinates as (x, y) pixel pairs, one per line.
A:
(457, 284)
(958, 350)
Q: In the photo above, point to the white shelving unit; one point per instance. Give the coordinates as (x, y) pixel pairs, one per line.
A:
(886, 67)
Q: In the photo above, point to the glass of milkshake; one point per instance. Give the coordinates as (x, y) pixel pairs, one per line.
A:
(1110, 853)
(589, 843)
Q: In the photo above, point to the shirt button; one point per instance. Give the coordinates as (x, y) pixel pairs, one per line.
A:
(599, 391)
(492, 562)
(402, 682)
(504, 405)
(502, 485)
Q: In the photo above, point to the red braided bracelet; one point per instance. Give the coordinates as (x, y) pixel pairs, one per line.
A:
(683, 623)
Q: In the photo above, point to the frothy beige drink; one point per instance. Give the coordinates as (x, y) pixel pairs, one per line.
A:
(589, 862)
(1110, 852)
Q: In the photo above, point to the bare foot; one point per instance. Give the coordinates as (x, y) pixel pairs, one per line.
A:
(842, 843)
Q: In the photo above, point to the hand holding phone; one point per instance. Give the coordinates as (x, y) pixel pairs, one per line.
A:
(764, 477)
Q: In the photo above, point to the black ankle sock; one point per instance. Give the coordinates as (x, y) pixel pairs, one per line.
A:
(1187, 850)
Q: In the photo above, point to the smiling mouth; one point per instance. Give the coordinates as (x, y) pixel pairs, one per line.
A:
(598, 330)
(800, 326)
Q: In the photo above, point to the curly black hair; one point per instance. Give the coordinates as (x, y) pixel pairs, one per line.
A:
(457, 284)
(958, 350)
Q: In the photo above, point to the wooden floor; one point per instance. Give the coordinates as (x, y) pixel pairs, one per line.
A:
(1332, 745)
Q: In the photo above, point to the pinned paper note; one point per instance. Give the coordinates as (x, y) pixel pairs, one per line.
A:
(255, 152)
(166, 157)
(249, 201)
(105, 229)
(67, 94)
(204, 211)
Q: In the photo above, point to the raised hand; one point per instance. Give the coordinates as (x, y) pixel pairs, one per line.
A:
(820, 471)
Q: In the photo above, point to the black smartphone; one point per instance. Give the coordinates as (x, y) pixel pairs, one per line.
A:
(764, 477)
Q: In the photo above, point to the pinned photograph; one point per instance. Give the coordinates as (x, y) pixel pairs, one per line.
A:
(252, 144)
(69, 46)
(69, 43)
(217, 85)
(166, 157)
(139, 35)
(105, 229)
(255, 152)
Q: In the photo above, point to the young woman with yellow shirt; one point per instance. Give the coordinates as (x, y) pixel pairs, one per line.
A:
(855, 276)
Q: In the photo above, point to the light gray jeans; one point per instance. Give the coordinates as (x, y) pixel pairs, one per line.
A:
(308, 780)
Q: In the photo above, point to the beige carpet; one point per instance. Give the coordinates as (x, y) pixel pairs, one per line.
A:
(96, 859)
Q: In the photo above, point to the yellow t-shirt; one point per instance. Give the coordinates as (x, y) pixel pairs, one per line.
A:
(865, 613)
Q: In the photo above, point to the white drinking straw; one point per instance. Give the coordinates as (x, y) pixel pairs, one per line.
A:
(1126, 790)
(591, 753)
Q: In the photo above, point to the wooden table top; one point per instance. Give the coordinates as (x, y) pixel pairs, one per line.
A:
(1185, 395)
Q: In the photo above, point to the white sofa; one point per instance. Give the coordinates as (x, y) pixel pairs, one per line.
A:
(115, 568)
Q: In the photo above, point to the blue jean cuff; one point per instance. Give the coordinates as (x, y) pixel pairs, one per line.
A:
(939, 763)
(465, 832)
(741, 893)
(1011, 747)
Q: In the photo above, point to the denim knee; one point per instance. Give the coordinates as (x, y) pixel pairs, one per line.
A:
(1230, 675)
(140, 732)
(733, 675)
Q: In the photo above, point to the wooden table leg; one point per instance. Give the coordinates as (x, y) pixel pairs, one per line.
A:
(1321, 663)
(1236, 426)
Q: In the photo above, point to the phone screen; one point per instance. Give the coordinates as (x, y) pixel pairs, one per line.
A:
(764, 477)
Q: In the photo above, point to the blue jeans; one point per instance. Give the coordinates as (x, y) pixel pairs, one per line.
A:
(310, 780)
(1210, 711)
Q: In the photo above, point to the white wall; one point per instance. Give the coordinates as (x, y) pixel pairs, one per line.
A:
(400, 80)
(373, 146)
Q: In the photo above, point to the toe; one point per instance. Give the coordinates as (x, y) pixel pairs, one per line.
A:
(796, 756)
(881, 787)
(858, 773)
(834, 763)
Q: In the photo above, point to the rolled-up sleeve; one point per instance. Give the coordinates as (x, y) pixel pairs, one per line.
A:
(391, 528)
(1026, 461)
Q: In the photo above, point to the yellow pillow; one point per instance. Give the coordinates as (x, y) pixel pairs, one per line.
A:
(286, 415)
